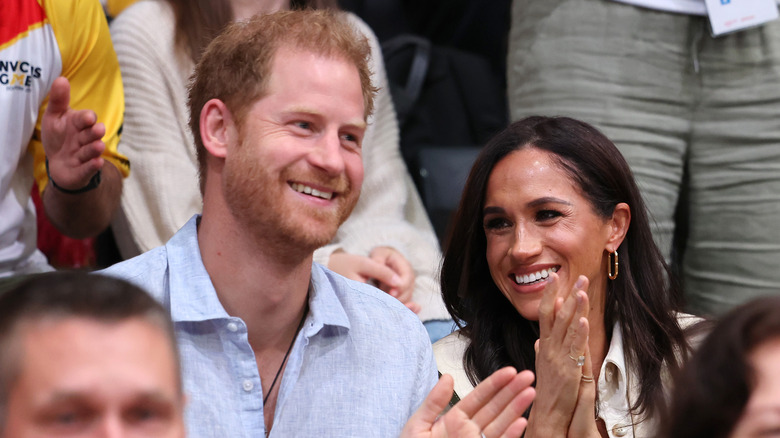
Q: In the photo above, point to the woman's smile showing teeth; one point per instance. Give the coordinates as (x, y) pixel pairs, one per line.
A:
(534, 277)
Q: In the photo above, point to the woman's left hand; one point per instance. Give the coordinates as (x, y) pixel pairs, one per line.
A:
(583, 422)
(562, 340)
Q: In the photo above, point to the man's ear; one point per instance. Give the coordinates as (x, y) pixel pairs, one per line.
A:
(216, 127)
(619, 223)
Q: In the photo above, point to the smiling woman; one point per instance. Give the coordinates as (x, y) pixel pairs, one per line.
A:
(528, 235)
(551, 242)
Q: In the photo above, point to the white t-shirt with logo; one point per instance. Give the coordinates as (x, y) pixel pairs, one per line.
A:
(38, 43)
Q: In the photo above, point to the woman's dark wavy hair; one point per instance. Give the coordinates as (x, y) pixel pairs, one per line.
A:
(714, 387)
(642, 300)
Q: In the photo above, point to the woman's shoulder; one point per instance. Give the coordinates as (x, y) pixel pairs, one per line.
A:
(686, 320)
(449, 352)
(453, 344)
(694, 327)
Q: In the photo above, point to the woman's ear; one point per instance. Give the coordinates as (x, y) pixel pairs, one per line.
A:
(216, 127)
(621, 219)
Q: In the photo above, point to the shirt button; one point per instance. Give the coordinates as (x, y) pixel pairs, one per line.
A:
(248, 385)
(232, 326)
(619, 430)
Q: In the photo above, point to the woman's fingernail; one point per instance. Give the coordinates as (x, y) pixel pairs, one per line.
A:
(580, 282)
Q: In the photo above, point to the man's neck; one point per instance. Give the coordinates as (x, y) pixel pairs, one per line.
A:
(266, 291)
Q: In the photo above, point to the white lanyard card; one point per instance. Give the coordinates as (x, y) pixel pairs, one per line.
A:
(728, 16)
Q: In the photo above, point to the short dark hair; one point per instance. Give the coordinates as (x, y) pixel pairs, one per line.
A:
(714, 387)
(642, 300)
(66, 294)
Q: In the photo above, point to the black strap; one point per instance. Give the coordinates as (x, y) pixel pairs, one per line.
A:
(407, 96)
(93, 183)
(455, 399)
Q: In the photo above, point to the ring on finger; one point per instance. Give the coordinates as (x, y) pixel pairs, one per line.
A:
(587, 379)
(579, 359)
(482, 435)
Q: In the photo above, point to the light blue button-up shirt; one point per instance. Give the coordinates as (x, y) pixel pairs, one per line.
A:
(360, 366)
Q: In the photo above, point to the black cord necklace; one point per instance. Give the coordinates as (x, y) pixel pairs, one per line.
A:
(289, 349)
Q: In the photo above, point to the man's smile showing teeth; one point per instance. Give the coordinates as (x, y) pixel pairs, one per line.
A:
(534, 276)
(300, 188)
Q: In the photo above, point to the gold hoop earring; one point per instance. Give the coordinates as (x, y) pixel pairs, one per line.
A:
(612, 265)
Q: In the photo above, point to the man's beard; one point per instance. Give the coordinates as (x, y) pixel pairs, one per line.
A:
(259, 202)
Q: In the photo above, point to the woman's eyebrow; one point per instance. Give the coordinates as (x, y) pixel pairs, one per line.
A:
(492, 210)
(535, 203)
(548, 200)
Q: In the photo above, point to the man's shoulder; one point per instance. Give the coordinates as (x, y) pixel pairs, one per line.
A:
(383, 336)
(374, 310)
(147, 270)
(354, 293)
(151, 270)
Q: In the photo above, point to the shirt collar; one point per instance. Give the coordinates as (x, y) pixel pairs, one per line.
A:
(325, 308)
(615, 359)
(613, 381)
(193, 297)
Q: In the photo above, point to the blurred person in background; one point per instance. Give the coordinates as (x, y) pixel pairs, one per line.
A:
(730, 386)
(89, 356)
(695, 115)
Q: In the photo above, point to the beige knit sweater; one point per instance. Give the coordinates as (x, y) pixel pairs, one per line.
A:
(162, 191)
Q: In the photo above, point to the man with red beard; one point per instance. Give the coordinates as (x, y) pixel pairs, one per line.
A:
(270, 342)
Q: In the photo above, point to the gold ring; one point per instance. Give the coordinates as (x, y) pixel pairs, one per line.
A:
(580, 359)
(587, 379)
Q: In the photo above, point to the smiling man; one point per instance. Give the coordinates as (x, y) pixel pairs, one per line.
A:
(272, 343)
(87, 356)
